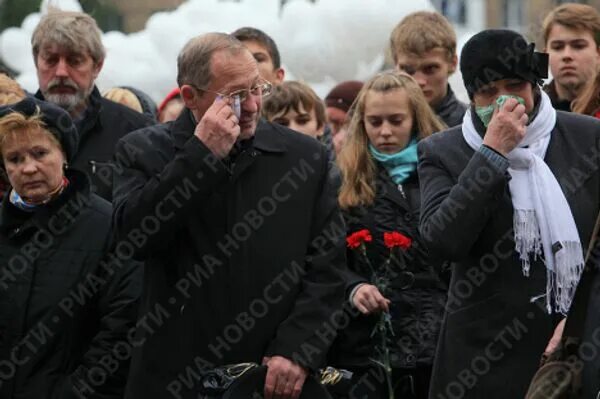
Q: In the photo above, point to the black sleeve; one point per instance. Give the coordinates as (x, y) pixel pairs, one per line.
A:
(306, 335)
(104, 368)
(453, 213)
(168, 196)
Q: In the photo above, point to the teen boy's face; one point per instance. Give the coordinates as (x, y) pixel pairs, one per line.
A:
(574, 59)
(431, 70)
(265, 63)
(302, 121)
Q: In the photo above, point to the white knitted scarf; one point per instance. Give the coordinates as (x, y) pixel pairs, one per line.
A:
(542, 220)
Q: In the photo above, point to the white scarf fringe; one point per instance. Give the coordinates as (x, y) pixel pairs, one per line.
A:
(527, 238)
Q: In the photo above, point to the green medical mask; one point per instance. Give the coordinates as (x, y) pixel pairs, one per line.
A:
(485, 113)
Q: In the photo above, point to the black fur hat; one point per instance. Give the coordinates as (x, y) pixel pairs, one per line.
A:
(497, 54)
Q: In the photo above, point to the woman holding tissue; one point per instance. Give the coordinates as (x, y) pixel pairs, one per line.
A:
(510, 197)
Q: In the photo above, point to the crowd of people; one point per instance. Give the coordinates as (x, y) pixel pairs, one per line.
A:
(245, 238)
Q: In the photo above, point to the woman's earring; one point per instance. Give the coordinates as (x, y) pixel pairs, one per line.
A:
(65, 166)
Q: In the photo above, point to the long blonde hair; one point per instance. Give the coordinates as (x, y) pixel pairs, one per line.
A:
(355, 161)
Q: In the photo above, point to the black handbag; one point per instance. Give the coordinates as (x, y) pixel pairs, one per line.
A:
(560, 373)
(215, 382)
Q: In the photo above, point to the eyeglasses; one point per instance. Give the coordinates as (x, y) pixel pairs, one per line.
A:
(260, 89)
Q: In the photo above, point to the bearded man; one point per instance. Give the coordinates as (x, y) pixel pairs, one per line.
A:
(68, 56)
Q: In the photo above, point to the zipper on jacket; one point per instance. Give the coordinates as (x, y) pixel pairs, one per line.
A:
(401, 189)
(96, 164)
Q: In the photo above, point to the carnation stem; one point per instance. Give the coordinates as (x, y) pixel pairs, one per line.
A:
(385, 351)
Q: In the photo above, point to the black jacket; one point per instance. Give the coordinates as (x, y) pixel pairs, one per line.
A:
(417, 311)
(104, 122)
(63, 307)
(557, 103)
(494, 330)
(450, 110)
(243, 258)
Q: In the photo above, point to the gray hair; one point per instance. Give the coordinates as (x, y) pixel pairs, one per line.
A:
(194, 60)
(72, 30)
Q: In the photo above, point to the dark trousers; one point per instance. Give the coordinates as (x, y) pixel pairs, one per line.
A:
(370, 383)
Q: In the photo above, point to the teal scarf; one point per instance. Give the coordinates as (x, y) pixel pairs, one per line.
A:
(399, 165)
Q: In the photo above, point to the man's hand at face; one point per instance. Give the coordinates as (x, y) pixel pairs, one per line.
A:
(219, 128)
(284, 378)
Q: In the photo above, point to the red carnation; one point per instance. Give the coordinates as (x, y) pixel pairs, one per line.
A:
(395, 239)
(354, 240)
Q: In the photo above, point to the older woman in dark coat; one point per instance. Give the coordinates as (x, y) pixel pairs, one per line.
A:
(65, 308)
(510, 196)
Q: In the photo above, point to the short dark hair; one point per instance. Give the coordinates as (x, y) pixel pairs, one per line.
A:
(194, 63)
(248, 33)
(290, 95)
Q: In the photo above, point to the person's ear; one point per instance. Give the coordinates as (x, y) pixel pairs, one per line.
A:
(280, 75)
(453, 64)
(188, 95)
(321, 130)
(97, 68)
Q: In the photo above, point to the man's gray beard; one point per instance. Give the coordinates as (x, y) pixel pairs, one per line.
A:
(69, 102)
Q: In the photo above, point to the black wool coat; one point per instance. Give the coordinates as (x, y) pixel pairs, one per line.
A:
(102, 125)
(557, 103)
(243, 256)
(64, 305)
(496, 326)
(416, 311)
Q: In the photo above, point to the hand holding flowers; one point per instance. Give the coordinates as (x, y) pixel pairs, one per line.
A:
(369, 298)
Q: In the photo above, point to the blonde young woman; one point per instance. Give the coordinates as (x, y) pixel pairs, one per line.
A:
(380, 192)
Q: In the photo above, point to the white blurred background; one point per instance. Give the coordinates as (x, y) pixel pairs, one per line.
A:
(321, 43)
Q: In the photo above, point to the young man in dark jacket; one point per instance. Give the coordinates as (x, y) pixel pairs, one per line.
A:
(571, 35)
(68, 55)
(265, 52)
(423, 45)
(245, 240)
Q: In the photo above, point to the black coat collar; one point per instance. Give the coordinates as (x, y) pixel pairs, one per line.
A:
(557, 103)
(14, 221)
(448, 103)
